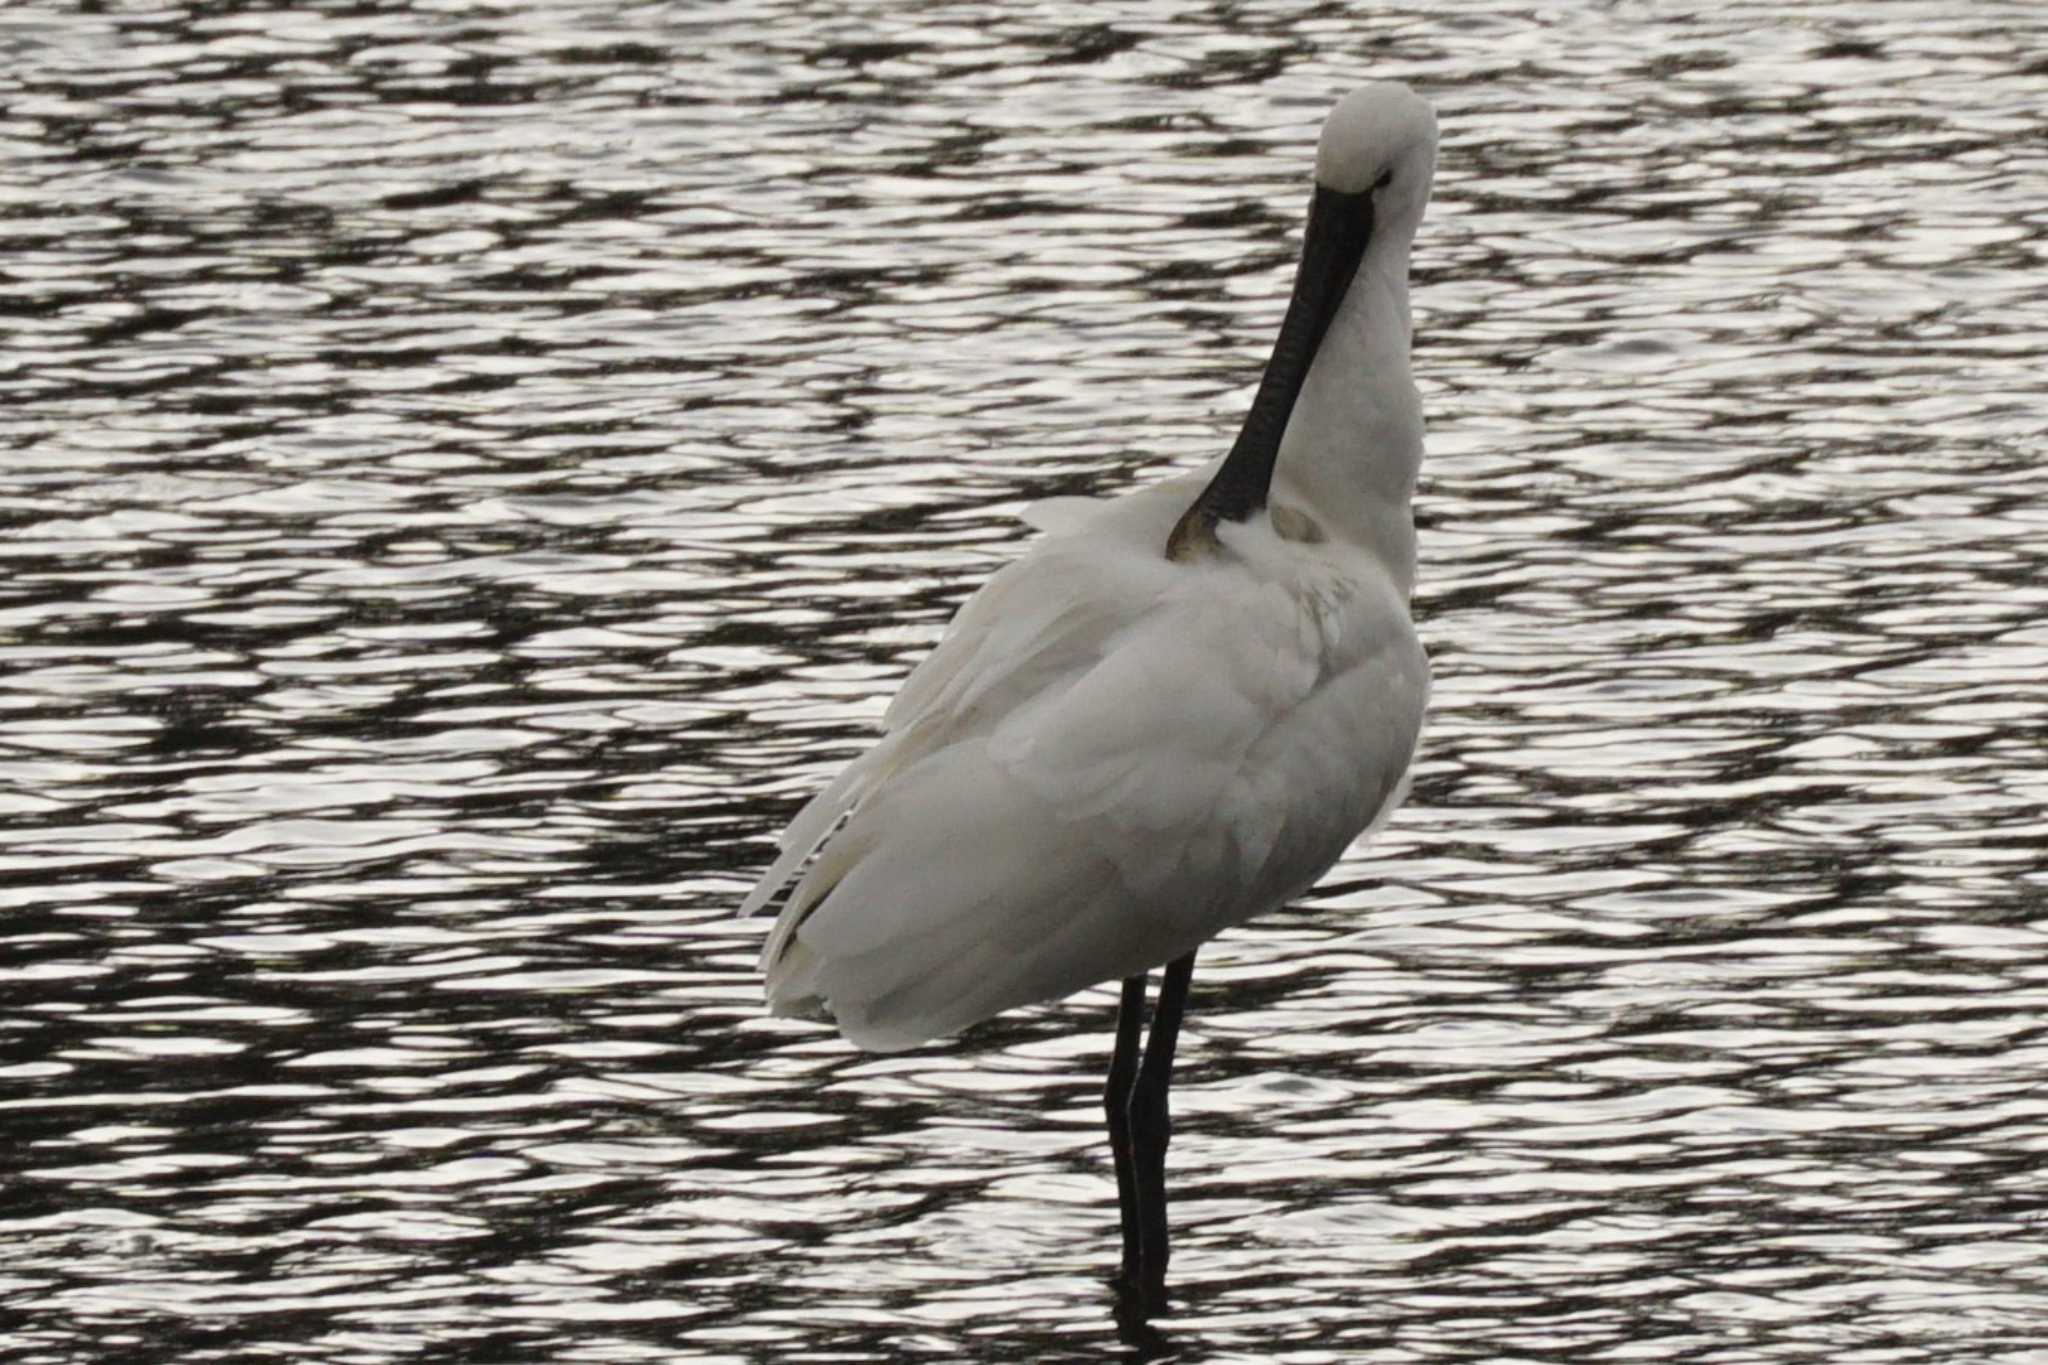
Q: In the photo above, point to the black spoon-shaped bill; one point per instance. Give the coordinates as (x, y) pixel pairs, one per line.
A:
(1339, 230)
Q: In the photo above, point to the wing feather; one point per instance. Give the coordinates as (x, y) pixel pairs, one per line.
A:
(1109, 758)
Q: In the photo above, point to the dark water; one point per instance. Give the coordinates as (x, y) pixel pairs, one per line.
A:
(468, 469)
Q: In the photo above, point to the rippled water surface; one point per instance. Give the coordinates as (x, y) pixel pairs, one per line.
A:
(468, 469)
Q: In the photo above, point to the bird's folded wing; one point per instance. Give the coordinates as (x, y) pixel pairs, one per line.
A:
(1111, 823)
(1036, 622)
(1139, 754)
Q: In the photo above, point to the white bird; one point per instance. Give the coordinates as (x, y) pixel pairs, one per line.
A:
(1174, 713)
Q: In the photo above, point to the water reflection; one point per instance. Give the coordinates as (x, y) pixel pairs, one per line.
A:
(469, 472)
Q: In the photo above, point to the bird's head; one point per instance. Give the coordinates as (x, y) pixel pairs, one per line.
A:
(1378, 152)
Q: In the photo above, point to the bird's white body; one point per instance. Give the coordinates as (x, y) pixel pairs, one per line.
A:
(1113, 754)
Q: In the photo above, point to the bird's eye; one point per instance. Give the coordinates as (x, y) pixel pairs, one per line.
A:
(1386, 179)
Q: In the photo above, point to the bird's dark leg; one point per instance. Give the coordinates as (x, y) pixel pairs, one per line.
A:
(1148, 1128)
(1151, 1127)
(1116, 1102)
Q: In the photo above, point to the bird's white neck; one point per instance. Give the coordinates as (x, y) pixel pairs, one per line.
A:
(1353, 446)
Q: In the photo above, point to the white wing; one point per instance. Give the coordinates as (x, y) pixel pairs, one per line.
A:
(1109, 758)
(1033, 621)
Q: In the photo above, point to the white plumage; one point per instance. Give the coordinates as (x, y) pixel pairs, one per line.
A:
(1113, 754)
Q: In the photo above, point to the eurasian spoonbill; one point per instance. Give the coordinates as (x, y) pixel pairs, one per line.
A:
(1175, 712)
